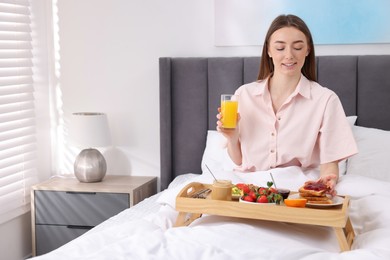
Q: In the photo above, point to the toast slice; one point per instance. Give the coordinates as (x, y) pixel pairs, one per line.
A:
(321, 202)
(313, 189)
(314, 198)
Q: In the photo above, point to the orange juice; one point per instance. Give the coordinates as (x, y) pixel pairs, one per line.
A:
(229, 112)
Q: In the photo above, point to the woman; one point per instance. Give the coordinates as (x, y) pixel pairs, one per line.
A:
(286, 118)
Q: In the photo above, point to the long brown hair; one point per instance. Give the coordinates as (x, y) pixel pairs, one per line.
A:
(266, 64)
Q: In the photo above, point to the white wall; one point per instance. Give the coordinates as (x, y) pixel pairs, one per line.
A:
(109, 63)
(109, 52)
(15, 238)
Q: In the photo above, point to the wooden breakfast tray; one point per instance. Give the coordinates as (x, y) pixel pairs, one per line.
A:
(191, 208)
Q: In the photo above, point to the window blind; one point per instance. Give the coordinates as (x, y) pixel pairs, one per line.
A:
(17, 116)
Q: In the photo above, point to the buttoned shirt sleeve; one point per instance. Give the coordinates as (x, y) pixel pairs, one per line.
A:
(336, 141)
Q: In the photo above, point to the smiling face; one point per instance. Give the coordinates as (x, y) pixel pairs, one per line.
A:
(288, 48)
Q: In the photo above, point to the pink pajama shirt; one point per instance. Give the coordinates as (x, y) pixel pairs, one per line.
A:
(309, 129)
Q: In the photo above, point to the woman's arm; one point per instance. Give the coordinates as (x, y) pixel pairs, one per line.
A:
(234, 150)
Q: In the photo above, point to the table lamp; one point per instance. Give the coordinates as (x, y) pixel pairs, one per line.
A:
(88, 131)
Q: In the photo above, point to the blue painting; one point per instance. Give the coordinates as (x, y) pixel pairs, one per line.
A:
(245, 22)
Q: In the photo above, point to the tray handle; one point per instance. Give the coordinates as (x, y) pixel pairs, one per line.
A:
(190, 189)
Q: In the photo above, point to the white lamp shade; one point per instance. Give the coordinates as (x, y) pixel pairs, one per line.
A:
(89, 130)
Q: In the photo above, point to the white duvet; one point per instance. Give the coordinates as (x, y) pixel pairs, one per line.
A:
(145, 231)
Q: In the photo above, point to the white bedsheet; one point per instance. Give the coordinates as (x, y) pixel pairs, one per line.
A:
(145, 231)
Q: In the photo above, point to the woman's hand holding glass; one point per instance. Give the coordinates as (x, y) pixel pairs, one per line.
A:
(231, 134)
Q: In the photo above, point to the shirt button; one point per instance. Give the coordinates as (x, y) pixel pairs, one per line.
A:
(273, 134)
(279, 118)
(272, 151)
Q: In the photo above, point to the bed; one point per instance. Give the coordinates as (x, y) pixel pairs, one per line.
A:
(189, 96)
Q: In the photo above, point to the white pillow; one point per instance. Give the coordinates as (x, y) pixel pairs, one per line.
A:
(351, 120)
(215, 155)
(374, 153)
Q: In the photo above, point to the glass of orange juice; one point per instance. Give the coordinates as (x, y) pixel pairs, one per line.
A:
(229, 108)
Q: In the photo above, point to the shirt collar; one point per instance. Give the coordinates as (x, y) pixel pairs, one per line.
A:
(303, 87)
(260, 87)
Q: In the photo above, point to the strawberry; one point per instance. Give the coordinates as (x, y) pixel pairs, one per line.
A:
(248, 198)
(253, 194)
(263, 191)
(262, 199)
(244, 187)
(241, 185)
(272, 190)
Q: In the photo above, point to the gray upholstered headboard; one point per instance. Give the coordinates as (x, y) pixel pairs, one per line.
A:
(190, 91)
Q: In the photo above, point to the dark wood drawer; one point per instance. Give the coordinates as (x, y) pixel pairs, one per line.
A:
(64, 208)
(77, 208)
(51, 237)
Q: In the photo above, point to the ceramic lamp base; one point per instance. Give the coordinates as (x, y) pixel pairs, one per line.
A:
(90, 166)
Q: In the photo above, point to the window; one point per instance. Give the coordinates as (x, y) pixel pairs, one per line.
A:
(18, 145)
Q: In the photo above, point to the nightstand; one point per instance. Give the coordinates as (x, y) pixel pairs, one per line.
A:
(64, 208)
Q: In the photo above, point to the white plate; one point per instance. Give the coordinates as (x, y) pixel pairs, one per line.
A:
(244, 201)
(337, 200)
